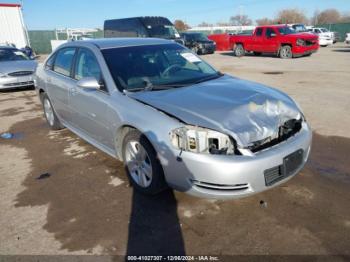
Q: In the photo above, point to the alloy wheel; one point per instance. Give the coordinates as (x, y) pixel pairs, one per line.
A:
(49, 112)
(138, 163)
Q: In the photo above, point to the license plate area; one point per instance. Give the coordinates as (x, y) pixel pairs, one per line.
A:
(291, 163)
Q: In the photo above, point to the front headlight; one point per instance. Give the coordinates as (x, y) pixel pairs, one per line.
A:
(300, 42)
(201, 140)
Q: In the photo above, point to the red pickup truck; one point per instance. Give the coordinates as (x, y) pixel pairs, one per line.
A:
(278, 39)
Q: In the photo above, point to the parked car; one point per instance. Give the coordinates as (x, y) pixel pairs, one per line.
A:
(325, 38)
(326, 33)
(198, 43)
(146, 26)
(16, 69)
(172, 118)
(276, 39)
(347, 38)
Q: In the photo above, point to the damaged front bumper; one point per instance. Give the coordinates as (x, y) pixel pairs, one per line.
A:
(236, 176)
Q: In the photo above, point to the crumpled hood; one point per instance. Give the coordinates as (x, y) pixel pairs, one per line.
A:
(15, 66)
(245, 110)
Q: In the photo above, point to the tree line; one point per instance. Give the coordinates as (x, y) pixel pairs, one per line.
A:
(285, 16)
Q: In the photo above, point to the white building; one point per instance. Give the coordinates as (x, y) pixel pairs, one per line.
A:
(222, 29)
(12, 28)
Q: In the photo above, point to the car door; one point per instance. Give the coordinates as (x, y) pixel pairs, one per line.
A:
(89, 107)
(270, 41)
(257, 41)
(58, 81)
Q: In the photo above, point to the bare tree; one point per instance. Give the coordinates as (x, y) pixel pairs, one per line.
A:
(265, 21)
(291, 16)
(240, 20)
(314, 18)
(345, 18)
(328, 16)
(181, 25)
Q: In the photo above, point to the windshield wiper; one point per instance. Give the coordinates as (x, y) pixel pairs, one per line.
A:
(212, 77)
(149, 87)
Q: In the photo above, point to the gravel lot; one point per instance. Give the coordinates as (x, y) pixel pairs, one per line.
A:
(84, 205)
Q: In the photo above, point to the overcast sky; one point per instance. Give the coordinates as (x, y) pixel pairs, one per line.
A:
(50, 14)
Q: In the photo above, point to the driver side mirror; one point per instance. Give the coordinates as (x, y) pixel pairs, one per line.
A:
(89, 83)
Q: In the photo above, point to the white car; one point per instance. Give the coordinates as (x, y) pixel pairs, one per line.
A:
(347, 38)
(325, 37)
(16, 69)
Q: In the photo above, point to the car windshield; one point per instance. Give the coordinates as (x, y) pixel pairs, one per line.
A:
(285, 30)
(166, 65)
(163, 31)
(196, 37)
(8, 54)
(324, 30)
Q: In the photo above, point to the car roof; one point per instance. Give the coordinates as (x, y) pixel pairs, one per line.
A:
(106, 43)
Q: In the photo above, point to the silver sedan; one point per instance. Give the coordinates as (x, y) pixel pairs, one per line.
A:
(16, 69)
(172, 118)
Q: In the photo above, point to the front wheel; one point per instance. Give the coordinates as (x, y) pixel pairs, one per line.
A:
(195, 50)
(239, 50)
(50, 114)
(286, 52)
(142, 165)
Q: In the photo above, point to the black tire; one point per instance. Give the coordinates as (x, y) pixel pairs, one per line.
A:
(54, 123)
(257, 53)
(286, 52)
(158, 182)
(195, 50)
(239, 50)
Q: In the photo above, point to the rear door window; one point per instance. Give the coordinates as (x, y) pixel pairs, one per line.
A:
(64, 61)
(269, 31)
(259, 31)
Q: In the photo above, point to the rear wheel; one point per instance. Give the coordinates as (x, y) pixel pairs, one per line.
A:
(50, 114)
(239, 50)
(142, 165)
(286, 52)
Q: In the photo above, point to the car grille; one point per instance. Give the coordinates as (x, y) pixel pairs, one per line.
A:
(291, 164)
(27, 83)
(211, 186)
(273, 175)
(21, 73)
(310, 42)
